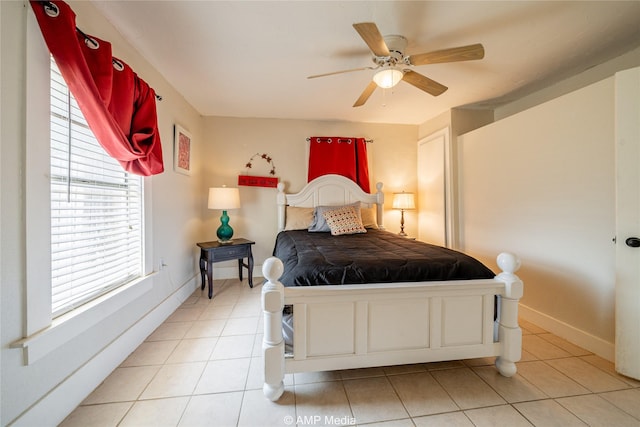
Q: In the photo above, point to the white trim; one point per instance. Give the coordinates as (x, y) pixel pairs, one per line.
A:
(54, 407)
(37, 187)
(570, 333)
(74, 323)
(445, 135)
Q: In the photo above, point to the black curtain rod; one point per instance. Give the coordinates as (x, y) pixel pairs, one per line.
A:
(369, 141)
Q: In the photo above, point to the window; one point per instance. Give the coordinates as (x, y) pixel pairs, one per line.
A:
(96, 210)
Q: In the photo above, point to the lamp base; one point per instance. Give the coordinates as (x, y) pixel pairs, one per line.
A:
(224, 232)
(402, 233)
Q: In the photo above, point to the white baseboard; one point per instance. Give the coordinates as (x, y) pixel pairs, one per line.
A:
(583, 339)
(64, 398)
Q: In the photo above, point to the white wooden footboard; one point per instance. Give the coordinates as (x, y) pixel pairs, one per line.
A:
(356, 326)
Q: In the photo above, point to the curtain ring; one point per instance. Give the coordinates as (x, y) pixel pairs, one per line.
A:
(51, 9)
(117, 64)
(91, 42)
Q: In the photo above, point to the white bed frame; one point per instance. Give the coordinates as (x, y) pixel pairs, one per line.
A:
(357, 326)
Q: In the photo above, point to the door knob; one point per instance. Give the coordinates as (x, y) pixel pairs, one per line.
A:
(633, 242)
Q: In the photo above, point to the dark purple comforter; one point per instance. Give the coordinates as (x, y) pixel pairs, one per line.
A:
(373, 257)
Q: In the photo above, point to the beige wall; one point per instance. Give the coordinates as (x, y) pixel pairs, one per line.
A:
(541, 183)
(230, 142)
(44, 392)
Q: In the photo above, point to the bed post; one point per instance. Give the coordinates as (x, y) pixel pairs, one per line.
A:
(281, 203)
(509, 332)
(273, 341)
(379, 206)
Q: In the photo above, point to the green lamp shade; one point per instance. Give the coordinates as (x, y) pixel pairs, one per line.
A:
(224, 232)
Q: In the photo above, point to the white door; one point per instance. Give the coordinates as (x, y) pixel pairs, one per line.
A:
(628, 222)
(433, 186)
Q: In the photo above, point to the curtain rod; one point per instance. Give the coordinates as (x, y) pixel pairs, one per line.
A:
(369, 141)
(52, 10)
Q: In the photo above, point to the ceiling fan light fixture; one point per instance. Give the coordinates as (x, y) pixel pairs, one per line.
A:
(388, 77)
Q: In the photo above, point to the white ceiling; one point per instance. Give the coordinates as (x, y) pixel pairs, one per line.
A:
(251, 58)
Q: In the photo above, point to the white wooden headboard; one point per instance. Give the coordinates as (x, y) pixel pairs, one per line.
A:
(329, 190)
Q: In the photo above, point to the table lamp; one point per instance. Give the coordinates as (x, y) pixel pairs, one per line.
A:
(224, 198)
(403, 201)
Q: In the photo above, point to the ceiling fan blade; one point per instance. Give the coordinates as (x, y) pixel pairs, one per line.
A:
(366, 94)
(372, 37)
(454, 54)
(423, 83)
(340, 72)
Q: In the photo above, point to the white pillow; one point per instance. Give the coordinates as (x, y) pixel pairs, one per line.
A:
(344, 220)
(319, 224)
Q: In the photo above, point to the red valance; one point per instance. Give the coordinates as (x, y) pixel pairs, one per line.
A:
(346, 156)
(119, 107)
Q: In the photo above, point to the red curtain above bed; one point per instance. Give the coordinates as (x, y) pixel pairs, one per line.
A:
(344, 156)
(120, 108)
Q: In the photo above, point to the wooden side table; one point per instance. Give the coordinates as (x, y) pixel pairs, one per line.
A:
(211, 252)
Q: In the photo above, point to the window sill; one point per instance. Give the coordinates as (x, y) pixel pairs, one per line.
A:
(70, 325)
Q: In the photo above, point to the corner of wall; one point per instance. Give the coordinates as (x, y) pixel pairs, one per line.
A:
(434, 124)
(592, 75)
(465, 120)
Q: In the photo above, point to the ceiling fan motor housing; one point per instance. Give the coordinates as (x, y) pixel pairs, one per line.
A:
(396, 45)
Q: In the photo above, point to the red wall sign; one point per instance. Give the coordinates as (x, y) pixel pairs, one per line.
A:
(257, 181)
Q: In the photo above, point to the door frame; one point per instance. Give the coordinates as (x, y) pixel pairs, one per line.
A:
(627, 138)
(444, 136)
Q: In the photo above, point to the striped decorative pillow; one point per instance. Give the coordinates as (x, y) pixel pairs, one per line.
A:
(344, 220)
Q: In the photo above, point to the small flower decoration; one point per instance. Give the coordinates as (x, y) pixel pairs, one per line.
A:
(263, 156)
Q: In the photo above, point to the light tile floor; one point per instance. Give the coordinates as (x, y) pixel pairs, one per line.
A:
(202, 367)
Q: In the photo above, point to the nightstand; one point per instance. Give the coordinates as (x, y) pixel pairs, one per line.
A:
(212, 252)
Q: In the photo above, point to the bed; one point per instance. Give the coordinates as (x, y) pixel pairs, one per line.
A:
(346, 317)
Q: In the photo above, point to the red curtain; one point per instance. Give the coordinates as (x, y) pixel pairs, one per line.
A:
(120, 108)
(339, 155)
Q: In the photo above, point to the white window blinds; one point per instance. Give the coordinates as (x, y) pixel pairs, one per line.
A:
(96, 210)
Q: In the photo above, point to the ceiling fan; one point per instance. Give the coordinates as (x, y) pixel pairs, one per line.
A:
(390, 59)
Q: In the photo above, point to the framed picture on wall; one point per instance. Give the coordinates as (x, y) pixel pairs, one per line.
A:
(181, 150)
